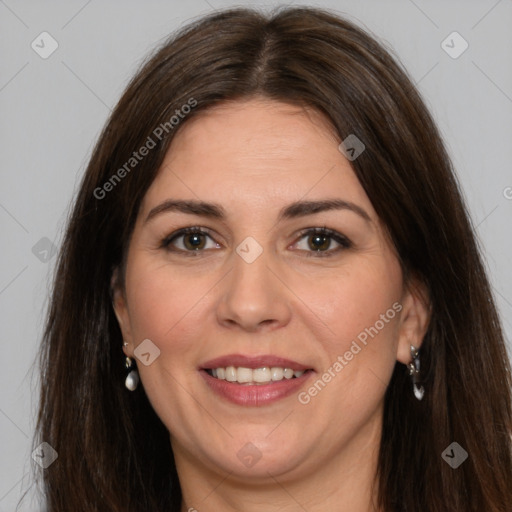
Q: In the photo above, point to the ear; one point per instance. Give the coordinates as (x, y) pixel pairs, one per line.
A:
(414, 319)
(121, 311)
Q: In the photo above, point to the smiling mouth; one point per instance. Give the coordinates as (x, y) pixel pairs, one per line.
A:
(257, 376)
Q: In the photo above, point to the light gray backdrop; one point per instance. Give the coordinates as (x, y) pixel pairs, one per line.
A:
(55, 99)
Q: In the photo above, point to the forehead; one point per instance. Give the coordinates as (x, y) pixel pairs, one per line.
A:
(257, 153)
(258, 130)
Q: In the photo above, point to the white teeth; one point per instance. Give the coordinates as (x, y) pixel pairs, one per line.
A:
(288, 373)
(231, 374)
(262, 375)
(277, 373)
(244, 375)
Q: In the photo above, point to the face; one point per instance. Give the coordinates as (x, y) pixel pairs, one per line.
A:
(257, 255)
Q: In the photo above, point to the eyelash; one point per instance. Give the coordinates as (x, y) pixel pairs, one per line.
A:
(344, 243)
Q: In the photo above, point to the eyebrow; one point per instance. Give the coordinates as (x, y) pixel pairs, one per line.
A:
(294, 210)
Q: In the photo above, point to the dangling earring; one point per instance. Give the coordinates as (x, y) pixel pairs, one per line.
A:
(132, 379)
(414, 371)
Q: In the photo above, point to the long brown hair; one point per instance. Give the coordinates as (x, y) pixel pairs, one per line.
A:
(114, 453)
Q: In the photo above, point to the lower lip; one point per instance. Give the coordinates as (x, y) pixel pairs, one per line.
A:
(255, 395)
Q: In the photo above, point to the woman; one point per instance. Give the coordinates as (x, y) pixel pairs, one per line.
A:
(269, 236)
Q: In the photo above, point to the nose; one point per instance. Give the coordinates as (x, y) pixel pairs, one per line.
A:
(253, 298)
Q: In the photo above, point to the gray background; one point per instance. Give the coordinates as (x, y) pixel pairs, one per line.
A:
(53, 109)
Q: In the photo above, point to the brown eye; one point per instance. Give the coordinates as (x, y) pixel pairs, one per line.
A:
(321, 242)
(189, 240)
(194, 241)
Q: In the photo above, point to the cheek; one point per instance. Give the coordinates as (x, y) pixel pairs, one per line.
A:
(165, 305)
(361, 319)
(351, 300)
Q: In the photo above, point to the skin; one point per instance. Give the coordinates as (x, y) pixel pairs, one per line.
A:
(253, 158)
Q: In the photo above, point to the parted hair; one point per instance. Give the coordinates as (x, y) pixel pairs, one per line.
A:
(114, 452)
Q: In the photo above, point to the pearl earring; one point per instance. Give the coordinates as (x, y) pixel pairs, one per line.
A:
(414, 371)
(132, 379)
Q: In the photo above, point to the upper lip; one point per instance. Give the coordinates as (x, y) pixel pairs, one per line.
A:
(253, 362)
